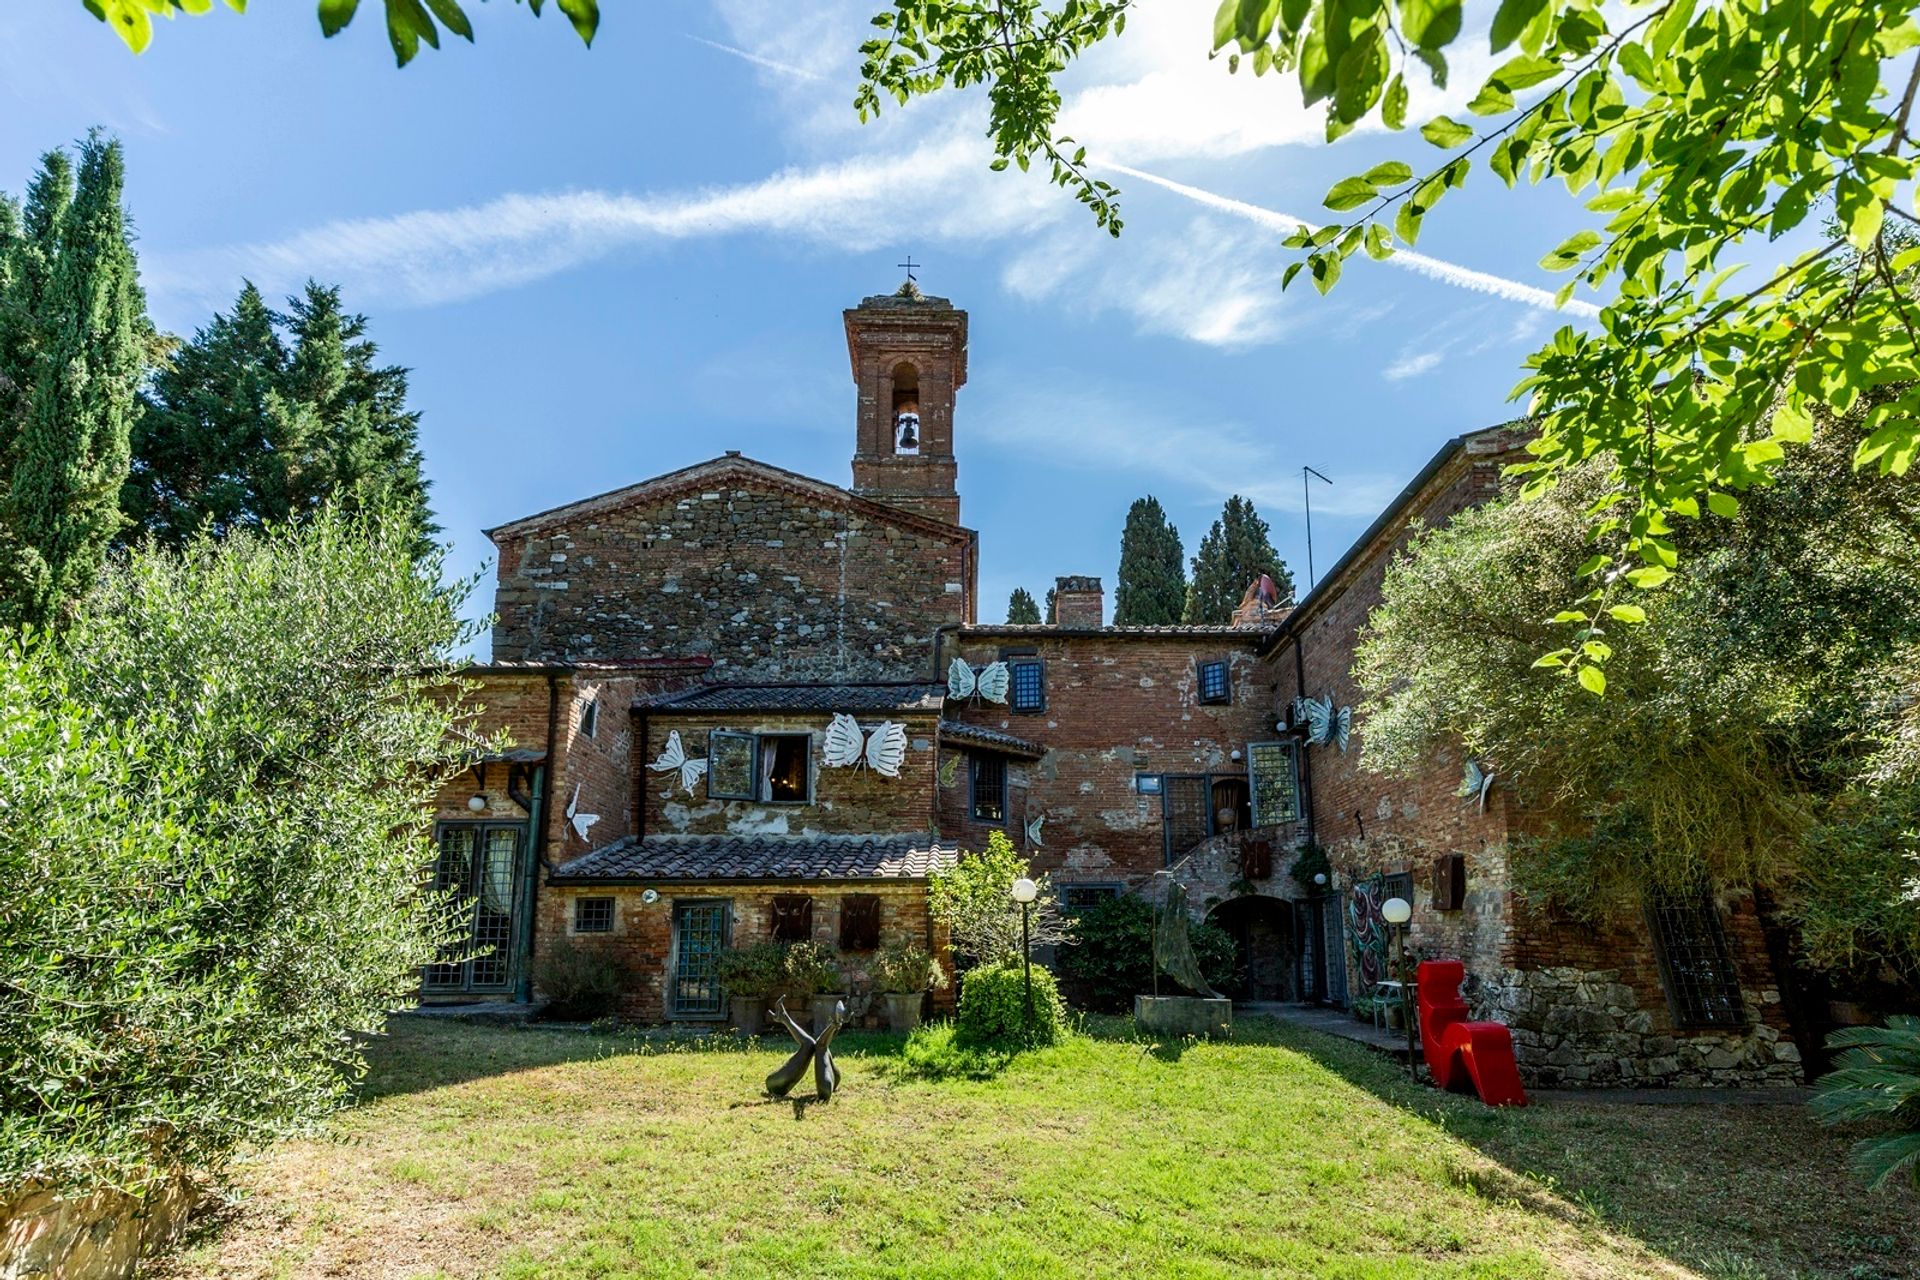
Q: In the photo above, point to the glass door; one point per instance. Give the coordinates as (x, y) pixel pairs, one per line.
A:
(699, 935)
(478, 867)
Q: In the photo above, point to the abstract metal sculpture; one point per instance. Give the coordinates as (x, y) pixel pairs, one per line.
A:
(1173, 945)
(814, 1049)
(675, 758)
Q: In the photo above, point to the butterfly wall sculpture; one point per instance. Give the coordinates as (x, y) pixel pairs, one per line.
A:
(884, 750)
(1475, 782)
(675, 758)
(582, 822)
(1324, 724)
(990, 682)
(1033, 831)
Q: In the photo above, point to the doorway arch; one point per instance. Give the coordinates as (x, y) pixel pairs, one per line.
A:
(1265, 947)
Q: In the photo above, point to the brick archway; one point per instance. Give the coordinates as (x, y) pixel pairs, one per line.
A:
(1266, 947)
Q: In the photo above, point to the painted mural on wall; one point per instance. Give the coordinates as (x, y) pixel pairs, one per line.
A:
(1367, 930)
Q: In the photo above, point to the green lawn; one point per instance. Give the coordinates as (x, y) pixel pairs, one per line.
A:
(488, 1152)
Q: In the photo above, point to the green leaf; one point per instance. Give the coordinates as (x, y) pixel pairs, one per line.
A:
(1511, 19)
(1430, 24)
(1226, 23)
(1629, 613)
(1326, 270)
(585, 17)
(1524, 72)
(1389, 174)
(452, 17)
(1649, 577)
(1571, 250)
(1393, 107)
(1406, 222)
(129, 19)
(1724, 505)
(1593, 680)
(1492, 100)
(1379, 241)
(1445, 132)
(1558, 658)
(1350, 193)
(1359, 76)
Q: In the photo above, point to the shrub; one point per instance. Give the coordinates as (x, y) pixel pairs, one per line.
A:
(1877, 1077)
(907, 970)
(582, 984)
(757, 971)
(810, 969)
(935, 1052)
(1113, 961)
(993, 1007)
(214, 801)
(974, 900)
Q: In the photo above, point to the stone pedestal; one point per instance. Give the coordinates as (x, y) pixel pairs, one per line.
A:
(1183, 1015)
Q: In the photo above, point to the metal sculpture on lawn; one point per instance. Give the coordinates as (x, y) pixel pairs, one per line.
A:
(814, 1049)
(1173, 944)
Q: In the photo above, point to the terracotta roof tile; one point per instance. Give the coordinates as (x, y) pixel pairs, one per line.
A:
(781, 858)
(854, 699)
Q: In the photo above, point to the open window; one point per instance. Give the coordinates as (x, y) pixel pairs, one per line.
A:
(785, 768)
(775, 768)
(732, 766)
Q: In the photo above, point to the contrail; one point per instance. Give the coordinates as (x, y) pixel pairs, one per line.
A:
(784, 67)
(1446, 272)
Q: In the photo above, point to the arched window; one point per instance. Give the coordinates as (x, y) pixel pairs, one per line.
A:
(906, 409)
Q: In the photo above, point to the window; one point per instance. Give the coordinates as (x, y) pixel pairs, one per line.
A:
(791, 918)
(593, 915)
(1075, 898)
(989, 789)
(730, 766)
(785, 768)
(860, 922)
(1696, 965)
(1147, 784)
(774, 767)
(590, 717)
(1029, 685)
(1273, 783)
(1216, 685)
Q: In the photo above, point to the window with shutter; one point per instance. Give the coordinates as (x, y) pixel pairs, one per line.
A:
(860, 922)
(792, 917)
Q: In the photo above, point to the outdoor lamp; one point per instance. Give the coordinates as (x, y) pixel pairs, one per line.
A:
(1319, 877)
(476, 802)
(1396, 912)
(1024, 892)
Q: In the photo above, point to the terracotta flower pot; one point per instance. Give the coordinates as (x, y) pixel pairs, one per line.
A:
(903, 1009)
(823, 1007)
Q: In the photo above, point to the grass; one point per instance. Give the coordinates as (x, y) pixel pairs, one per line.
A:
(519, 1153)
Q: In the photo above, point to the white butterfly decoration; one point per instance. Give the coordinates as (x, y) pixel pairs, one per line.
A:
(990, 682)
(1324, 724)
(582, 822)
(1033, 831)
(1475, 782)
(885, 749)
(675, 757)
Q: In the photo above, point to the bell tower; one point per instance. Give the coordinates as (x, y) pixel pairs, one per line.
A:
(909, 354)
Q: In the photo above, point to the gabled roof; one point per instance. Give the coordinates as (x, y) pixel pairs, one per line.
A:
(731, 467)
(854, 699)
(670, 858)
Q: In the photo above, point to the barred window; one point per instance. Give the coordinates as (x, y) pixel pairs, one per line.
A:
(1696, 965)
(593, 915)
(1075, 898)
(1029, 685)
(1216, 685)
(989, 789)
(792, 917)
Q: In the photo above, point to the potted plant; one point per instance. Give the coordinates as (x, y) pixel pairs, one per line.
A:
(811, 971)
(904, 974)
(751, 975)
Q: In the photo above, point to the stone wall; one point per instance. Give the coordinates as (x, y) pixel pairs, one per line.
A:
(642, 938)
(100, 1236)
(769, 580)
(1119, 704)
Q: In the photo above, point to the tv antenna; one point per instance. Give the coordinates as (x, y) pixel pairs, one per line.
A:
(1306, 490)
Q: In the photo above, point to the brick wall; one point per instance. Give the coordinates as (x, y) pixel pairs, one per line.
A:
(1118, 705)
(642, 938)
(846, 801)
(767, 580)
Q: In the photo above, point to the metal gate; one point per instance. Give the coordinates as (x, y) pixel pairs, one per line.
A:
(1186, 808)
(478, 866)
(699, 935)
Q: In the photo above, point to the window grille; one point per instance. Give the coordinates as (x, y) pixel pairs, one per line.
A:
(1216, 684)
(699, 935)
(593, 915)
(1186, 810)
(860, 922)
(989, 789)
(1075, 898)
(1029, 686)
(1696, 964)
(791, 918)
(1274, 782)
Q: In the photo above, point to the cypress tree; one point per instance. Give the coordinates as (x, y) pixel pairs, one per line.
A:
(1236, 550)
(89, 335)
(1153, 572)
(1052, 616)
(266, 417)
(1021, 609)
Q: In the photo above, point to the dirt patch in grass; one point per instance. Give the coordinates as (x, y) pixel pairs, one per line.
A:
(483, 1152)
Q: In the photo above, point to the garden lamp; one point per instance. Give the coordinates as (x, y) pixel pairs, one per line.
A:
(1024, 892)
(1396, 912)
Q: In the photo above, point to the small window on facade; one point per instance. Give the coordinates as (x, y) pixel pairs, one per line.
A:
(1696, 965)
(731, 765)
(1216, 685)
(785, 770)
(1029, 685)
(1075, 898)
(860, 922)
(989, 789)
(1273, 783)
(590, 717)
(790, 918)
(1147, 784)
(593, 915)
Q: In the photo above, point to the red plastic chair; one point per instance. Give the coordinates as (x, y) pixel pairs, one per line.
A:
(1464, 1056)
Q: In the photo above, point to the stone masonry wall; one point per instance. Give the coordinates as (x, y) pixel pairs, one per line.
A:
(768, 582)
(1118, 705)
(642, 938)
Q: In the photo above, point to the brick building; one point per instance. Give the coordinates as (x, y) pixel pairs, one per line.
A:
(678, 661)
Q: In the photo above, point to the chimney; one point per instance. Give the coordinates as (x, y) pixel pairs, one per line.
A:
(1261, 605)
(1079, 602)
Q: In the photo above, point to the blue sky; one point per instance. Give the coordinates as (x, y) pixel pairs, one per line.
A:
(606, 264)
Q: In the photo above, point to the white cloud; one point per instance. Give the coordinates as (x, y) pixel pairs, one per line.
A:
(1413, 364)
